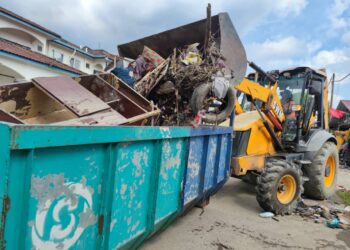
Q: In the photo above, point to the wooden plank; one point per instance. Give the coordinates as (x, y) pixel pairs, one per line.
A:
(71, 94)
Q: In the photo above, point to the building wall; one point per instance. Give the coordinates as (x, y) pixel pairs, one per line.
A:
(23, 70)
(29, 37)
(22, 34)
(55, 51)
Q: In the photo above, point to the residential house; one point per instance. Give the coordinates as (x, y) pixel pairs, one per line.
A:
(344, 106)
(29, 50)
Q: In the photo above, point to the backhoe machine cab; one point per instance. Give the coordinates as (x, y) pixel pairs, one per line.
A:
(282, 139)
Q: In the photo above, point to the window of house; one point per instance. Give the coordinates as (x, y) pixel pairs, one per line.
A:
(71, 62)
(87, 65)
(40, 48)
(77, 64)
(60, 57)
(57, 55)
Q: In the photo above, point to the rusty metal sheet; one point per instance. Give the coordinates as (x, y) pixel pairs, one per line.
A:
(115, 99)
(109, 117)
(6, 117)
(232, 48)
(118, 96)
(14, 98)
(126, 90)
(29, 104)
(165, 42)
(71, 94)
(98, 87)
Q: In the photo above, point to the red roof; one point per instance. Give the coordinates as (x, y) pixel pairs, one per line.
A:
(10, 13)
(99, 52)
(25, 52)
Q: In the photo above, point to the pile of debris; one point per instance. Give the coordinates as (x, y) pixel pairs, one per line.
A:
(188, 72)
(330, 213)
(173, 84)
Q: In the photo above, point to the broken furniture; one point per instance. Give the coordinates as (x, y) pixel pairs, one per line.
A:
(62, 100)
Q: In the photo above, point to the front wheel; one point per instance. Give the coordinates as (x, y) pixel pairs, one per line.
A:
(280, 186)
(322, 172)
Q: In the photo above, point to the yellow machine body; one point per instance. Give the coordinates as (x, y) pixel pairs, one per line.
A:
(258, 146)
(341, 137)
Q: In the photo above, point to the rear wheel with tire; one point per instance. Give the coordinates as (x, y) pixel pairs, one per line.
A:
(280, 186)
(322, 172)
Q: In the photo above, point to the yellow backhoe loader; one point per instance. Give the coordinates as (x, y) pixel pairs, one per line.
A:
(342, 136)
(281, 139)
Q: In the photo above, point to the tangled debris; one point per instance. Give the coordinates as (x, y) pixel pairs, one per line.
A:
(192, 82)
(330, 213)
(172, 83)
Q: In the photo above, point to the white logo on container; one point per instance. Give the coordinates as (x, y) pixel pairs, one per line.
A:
(59, 224)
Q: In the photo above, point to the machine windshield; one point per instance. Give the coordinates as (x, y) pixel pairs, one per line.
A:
(290, 89)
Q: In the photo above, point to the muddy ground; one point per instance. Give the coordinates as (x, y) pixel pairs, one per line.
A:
(231, 221)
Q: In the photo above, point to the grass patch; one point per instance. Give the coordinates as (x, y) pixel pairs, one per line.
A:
(345, 196)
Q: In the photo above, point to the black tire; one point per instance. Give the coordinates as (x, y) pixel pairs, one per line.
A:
(315, 187)
(198, 98)
(268, 185)
(250, 178)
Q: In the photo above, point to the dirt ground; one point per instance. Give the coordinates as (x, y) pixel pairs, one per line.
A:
(231, 221)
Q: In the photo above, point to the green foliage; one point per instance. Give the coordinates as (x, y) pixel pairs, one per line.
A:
(345, 196)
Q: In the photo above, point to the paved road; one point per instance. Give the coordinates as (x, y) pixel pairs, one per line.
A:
(231, 221)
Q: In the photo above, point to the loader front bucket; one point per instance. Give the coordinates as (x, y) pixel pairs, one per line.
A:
(222, 29)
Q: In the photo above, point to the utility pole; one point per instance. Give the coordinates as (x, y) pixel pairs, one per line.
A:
(332, 92)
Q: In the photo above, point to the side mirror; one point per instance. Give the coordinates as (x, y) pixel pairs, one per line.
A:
(315, 88)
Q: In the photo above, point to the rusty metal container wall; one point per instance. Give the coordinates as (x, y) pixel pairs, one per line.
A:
(100, 187)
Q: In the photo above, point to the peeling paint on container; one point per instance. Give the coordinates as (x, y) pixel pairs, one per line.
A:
(103, 187)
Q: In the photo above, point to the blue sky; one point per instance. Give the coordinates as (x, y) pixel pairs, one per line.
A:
(276, 34)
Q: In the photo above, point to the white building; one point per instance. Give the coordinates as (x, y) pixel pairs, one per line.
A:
(29, 50)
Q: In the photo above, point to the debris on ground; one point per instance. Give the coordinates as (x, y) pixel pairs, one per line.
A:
(333, 223)
(266, 214)
(332, 215)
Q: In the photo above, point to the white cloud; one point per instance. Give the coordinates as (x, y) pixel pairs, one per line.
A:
(279, 47)
(336, 14)
(346, 37)
(313, 46)
(330, 57)
(248, 15)
(336, 61)
(281, 52)
(112, 22)
(290, 51)
(290, 6)
(339, 7)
